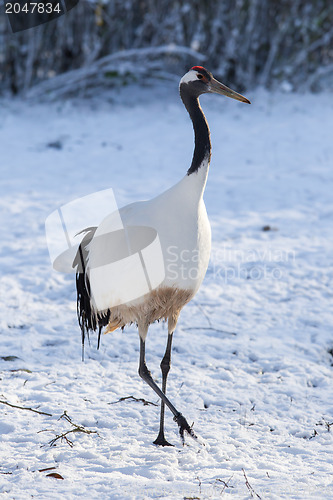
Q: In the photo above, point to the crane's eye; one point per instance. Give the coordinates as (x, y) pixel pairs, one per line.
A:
(200, 76)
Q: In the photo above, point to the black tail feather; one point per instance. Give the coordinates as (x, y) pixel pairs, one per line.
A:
(89, 320)
(99, 336)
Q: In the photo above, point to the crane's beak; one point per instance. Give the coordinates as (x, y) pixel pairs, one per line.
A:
(218, 88)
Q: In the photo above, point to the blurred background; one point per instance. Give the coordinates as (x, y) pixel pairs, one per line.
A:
(247, 43)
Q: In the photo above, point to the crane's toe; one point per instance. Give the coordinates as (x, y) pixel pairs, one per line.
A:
(161, 441)
(183, 426)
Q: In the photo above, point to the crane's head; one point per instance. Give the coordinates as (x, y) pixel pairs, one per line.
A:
(199, 81)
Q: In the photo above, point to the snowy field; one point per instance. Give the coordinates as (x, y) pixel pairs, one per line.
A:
(250, 364)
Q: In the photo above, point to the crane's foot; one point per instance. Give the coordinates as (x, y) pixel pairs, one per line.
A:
(183, 426)
(161, 441)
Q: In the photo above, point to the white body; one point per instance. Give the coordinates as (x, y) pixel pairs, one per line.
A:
(179, 216)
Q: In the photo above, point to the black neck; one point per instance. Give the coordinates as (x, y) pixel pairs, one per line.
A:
(202, 149)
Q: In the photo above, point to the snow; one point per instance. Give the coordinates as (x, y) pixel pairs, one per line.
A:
(250, 361)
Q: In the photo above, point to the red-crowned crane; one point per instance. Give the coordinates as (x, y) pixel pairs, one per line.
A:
(179, 216)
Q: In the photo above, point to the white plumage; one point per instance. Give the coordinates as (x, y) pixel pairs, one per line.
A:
(179, 216)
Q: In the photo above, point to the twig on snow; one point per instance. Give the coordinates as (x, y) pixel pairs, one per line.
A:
(76, 428)
(205, 314)
(225, 483)
(327, 424)
(25, 408)
(249, 487)
(199, 483)
(46, 469)
(140, 400)
(188, 328)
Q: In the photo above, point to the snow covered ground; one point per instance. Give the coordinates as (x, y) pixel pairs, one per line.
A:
(251, 364)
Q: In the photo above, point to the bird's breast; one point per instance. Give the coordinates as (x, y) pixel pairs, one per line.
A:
(187, 250)
(184, 235)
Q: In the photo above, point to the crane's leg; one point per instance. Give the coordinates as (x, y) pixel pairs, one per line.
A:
(165, 368)
(146, 376)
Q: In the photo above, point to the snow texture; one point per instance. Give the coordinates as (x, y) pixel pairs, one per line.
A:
(250, 363)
